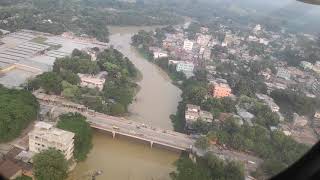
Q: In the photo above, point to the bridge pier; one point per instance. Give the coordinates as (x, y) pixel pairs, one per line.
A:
(151, 144)
(113, 134)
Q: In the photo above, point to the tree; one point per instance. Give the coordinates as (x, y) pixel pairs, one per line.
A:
(202, 143)
(17, 109)
(117, 109)
(50, 82)
(50, 165)
(76, 123)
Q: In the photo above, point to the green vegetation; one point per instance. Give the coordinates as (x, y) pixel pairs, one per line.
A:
(202, 143)
(18, 109)
(50, 165)
(207, 168)
(76, 123)
(23, 177)
(290, 102)
(119, 88)
(40, 40)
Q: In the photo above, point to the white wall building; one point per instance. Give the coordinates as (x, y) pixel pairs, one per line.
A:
(160, 54)
(45, 136)
(90, 81)
(187, 45)
(185, 66)
(283, 73)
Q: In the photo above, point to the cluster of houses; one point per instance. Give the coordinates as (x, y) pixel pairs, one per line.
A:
(185, 53)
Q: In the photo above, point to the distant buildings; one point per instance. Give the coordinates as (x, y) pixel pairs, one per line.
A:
(187, 45)
(284, 74)
(220, 89)
(91, 81)
(45, 136)
(257, 28)
(193, 113)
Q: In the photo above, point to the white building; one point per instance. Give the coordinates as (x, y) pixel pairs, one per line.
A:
(283, 73)
(306, 65)
(45, 136)
(160, 54)
(187, 45)
(91, 81)
(263, 41)
(185, 66)
(257, 28)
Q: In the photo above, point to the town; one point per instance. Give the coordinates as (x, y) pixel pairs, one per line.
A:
(185, 95)
(255, 71)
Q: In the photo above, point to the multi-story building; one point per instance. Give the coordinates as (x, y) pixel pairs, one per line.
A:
(186, 68)
(203, 40)
(316, 87)
(91, 81)
(207, 54)
(306, 65)
(45, 136)
(220, 89)
(193, 113)
(283, 73)
(187, 45)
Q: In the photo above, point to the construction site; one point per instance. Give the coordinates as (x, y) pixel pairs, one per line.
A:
(26, 54)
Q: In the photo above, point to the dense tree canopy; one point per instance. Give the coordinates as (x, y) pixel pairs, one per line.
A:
(50, 165)
(207, 168)
(290, 102)
(18, 109)
(76, 123)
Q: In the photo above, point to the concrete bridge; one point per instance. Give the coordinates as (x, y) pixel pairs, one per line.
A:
(121, 126)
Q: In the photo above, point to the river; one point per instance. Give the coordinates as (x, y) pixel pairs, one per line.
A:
(123, 159)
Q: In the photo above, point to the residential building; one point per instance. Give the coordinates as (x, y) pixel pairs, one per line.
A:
(91, 81)
(45, 136)
(187, 45)
(306, 65)
(220, 89)
(160, 54)
(317, 115)
(263, 41)
(193, 113)
(257, 28)
(283, 73)
(316, 87)
(185, 67)
(269, 101)
(203, 40)
(207, 54)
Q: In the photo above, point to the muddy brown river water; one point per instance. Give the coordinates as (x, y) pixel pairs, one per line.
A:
(123, 159)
